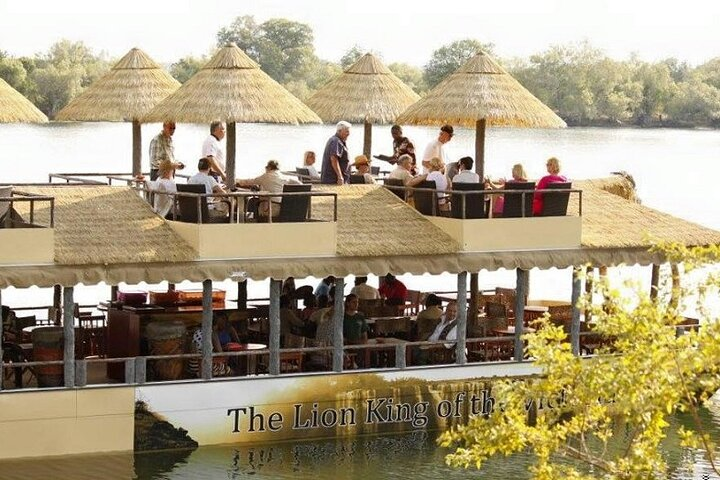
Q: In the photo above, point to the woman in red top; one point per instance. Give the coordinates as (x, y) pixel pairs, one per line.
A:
(553, 168)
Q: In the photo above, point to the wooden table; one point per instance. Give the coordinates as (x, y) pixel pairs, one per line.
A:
(510, 331)
(248, 363)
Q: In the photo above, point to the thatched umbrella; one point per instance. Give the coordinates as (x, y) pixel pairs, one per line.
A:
(14, 108)
(133, 87)
(367, 92)
(232, 88)
(481, 93)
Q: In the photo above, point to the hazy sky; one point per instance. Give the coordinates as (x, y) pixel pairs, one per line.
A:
(400, 30)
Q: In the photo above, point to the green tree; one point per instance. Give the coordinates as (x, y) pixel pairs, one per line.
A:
(696, 103)
(658, 87)
(186, 67)
(609, 412)
(411, 75)
(12, 71)
(448, 58)
(351, 56)
(709, 72)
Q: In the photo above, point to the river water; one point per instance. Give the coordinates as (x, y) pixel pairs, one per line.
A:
(668, 165)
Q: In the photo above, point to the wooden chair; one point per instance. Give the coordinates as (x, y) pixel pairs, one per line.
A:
(555, 203)
(561, 315)
(371, 308)
(295, 208)
(513, 204)
(412, 305)
(397, 187)
(474, 202)
(93, 330)
(426, 202)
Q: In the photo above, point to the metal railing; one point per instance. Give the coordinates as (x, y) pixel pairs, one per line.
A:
(31, 198)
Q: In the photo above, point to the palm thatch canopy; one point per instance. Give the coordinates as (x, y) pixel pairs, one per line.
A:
(367, 91)
(133, 87)
(232, 88)
(481, 89)
(16, 108)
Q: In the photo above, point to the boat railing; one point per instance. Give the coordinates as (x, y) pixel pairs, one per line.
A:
(20, 198)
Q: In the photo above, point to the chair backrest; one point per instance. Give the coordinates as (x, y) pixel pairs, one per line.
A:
(357, 179)
(495, 310)
(561, 315)
(396, 186)
(302, 171)
(555, 203)
(374, 170)
(188, 205)
(505, 291)
(474, 202)
(371, 308)
(426, 202)
(295, 208)
(513, 202)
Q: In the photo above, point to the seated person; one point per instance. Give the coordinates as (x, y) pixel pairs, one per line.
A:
(309, 163)
(465, 173)
(220, 365)
(163, 188)
(429, 318)
(289, 321)
(518, 175)
(216, 206)
(403, 172)
(553, 168)
(447, 328)
(436, 173)
(224, 333)
(324, 286)
(362, 164)
(393, 290)
(271, 181)
(363, 290)
(355, 327)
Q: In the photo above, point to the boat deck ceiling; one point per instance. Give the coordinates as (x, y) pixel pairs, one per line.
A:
(110, 234)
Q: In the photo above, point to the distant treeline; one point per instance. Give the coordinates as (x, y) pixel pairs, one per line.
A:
(579, 82)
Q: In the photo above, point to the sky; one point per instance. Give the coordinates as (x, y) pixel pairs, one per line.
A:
(400, 30)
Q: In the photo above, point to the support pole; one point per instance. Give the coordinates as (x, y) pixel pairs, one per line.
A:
(367, 142)
(338, 315)
(136, 148)
(69, 337)
(521, 284)
(113, 293)
(575, 298)
(275, 291)
(460, 356)
(57, 304)
(654, 281)
(207, 346)
(230, 161)
(242, 295)
(480, 148)
(472, 311)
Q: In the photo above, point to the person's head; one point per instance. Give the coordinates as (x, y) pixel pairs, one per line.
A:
(360, 280)
(220, 321)
(309, 158)
(553, 166)
(396, 132)
(436, 165)
(323, 301)
(168, 129)
(432, 300)
(405, 161)
(203, 165)
(351, 303)
(451, 310)
(362, 164)
(465, 163)
(342, 129)
(217, 130)
(446, 133)
(309, 300)
(166, 169)
(272, 166)
(518, 172)
(329, 280)
(389, 278)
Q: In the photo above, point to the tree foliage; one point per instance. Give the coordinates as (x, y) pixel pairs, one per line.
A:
(186, 67)
(411, 75)
(448, 58)
(643, 373)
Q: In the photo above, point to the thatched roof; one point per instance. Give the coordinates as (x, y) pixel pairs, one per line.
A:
(481, 89)
(367, 91)
(106, 225)
(232, 88)
(15, 108)
(133, 87)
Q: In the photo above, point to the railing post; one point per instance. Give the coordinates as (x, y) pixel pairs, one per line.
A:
(575, 325)
(207, 346)
(80, 373)
(275, 289)
(338, 315)
(129, 371)
(400, 357)
(140, 370)
(69, 336)
(460, 356)
(521, 285)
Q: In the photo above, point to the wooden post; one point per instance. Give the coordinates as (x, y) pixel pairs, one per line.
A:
(461, 338)
(480, 148)
(136, 148)
(275, 291)
(521, 283)
(367, 142)
(113, 293)
(575, 325)
(242, 295)
(338, 316)
(57, 304)
(654, 281)
(207, 320)
(230, 160)
(472, 311)
(69, 337)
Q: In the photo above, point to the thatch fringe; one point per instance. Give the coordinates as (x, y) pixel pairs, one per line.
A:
(15, 108)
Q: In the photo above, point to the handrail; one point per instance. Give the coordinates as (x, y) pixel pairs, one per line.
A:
(25, 197)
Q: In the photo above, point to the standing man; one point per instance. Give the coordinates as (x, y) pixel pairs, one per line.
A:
(335, 157)
(435, 148)
(401, 146)
(213, 150)
(161, 148)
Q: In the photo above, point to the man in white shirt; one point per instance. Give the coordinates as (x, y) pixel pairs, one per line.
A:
(466, 175)
(213, 150)
(435, 148)
(270, 181)
(203, 177)
(363, 290)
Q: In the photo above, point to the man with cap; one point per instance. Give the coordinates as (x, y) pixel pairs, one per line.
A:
(335, 160)
(362, 167)
(436, 147)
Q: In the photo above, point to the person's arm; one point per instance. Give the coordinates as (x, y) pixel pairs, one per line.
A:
(234, 335)
(215, 167)
(216, 342)
(335, 165)
(416, 180)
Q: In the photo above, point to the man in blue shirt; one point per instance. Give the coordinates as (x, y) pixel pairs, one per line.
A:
(335, 157)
